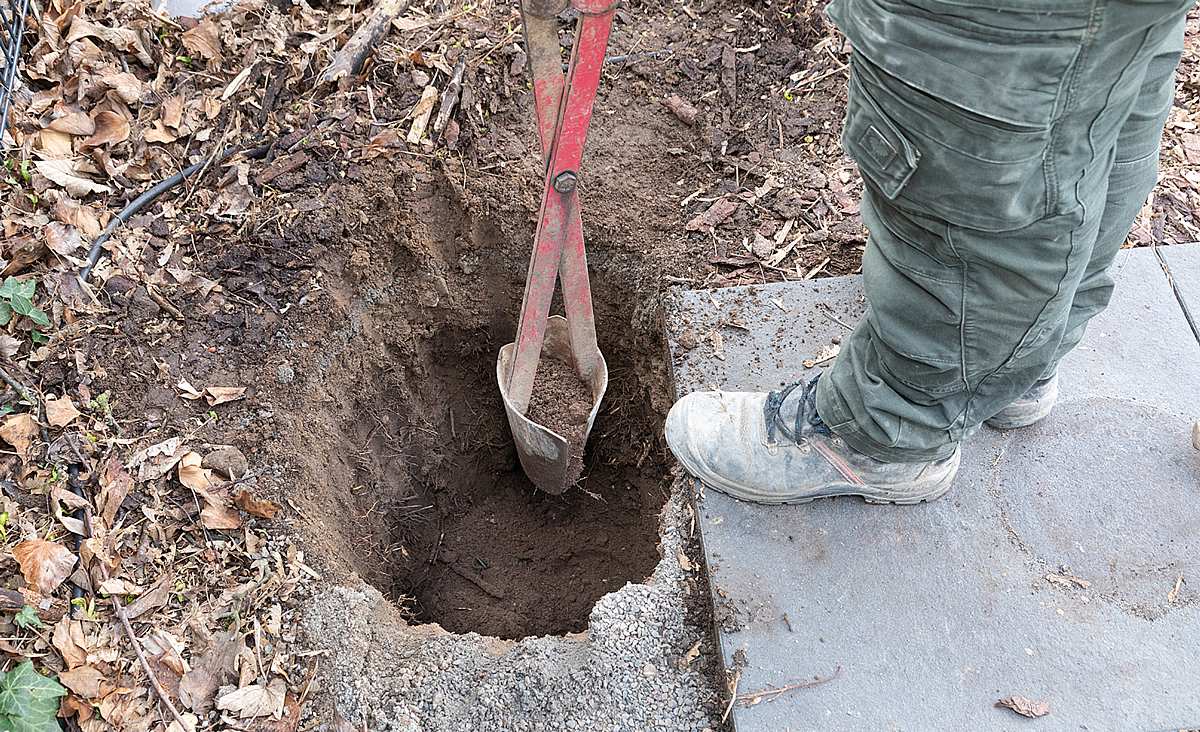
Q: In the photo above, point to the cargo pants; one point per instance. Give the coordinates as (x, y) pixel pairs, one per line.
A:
(1006, 147)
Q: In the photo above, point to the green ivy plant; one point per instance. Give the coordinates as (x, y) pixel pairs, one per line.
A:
(29, 701)
(17, 297)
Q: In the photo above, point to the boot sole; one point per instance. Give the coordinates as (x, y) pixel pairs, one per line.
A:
(877, 495)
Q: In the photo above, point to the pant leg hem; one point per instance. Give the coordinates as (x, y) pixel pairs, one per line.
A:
(842, 423)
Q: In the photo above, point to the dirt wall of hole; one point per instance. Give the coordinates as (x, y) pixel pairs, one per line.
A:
(405, 460)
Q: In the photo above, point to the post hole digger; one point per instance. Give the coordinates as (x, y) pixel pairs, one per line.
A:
(564, 110)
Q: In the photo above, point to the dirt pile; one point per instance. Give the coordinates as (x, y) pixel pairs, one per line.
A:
(561, 401)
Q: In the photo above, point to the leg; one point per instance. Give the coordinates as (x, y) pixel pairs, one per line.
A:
(987, 205)
(985, 137)
(1134, 172)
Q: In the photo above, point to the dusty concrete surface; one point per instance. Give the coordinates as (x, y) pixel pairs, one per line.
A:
(636, 668)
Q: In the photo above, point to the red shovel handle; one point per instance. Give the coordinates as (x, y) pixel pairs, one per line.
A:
(564, 113)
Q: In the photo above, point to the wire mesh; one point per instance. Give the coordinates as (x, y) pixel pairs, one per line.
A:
(12, 28)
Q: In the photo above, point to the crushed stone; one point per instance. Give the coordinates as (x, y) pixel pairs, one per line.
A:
(397, 677)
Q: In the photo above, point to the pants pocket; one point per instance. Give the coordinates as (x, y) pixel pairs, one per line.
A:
(915, 290)
(970, 104)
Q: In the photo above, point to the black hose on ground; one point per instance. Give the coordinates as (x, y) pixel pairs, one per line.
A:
(150, 195)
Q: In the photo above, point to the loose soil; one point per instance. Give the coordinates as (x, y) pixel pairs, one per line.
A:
(561, 401)
(366, 296)
(367, 292)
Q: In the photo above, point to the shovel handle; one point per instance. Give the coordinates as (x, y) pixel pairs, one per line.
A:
(564, 109)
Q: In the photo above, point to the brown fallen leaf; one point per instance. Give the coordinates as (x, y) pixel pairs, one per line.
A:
(55, 144)
(159, 133)
(213, 669)
(63, 173)
(60, 412)
(192, 475)
(62, 239)
(172, 112)
(84, 681)
(20, 431)
(215, 395)
(256, 700)
(1023, 706)
(287, 723)
(218, 515)
(115, 484)
(126, 85)
(260, 507)
(204, 39)
(76, 124)
(70, 641)
(44, 564)
(152, 599)
(111, 129)
(709, 219)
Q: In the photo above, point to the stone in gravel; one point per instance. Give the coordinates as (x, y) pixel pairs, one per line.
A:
(228, 461)
(285, 374)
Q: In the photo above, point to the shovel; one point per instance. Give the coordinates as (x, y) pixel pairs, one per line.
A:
(564, 110)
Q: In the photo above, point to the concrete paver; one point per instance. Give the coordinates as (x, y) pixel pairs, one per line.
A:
(1052, 569)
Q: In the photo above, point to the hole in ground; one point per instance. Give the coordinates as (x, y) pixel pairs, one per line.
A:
(444, 520)
(405, 452)
(490, 553)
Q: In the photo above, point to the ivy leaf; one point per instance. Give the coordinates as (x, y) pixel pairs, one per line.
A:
(27, 617)
(5, 313)
(28, 288)
(39, 317)
(29, 701)
(21, 304)
(9, 287)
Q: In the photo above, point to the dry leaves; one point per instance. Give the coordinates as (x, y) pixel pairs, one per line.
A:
(215, 395)
(1025, 707)
(256, 700)
(63, 173)
(44, 564)
(60, 412)
(259, 507)
(714, 215)
(213, 669)
(20, 431)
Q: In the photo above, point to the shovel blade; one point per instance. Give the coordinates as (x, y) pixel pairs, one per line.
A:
(545, 455)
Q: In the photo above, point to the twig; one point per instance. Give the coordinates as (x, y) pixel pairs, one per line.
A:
(20, 388)
(119, 609)
(349, 58)
(137, 648)
(772, 694)
(818, 77)
(825, 311)
(450, 96)
(164, 303)
(733, 695)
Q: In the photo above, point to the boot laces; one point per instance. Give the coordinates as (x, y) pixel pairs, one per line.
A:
(807, 422)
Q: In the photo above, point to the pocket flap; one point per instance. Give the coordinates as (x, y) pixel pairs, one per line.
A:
(883, 154)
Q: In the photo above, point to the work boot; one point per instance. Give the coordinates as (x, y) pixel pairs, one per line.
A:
(1032, 407)
(774, 448)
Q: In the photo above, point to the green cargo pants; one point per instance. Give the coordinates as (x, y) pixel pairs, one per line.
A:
(1006, 147)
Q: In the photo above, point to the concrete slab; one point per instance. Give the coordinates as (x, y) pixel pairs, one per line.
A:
(1050, 571)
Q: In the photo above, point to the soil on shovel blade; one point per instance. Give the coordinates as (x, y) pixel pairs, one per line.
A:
(561, 401)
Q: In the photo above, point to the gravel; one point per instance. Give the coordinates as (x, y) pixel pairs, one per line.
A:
(629, 671)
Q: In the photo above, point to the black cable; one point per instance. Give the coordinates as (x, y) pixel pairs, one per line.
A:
(150, 195)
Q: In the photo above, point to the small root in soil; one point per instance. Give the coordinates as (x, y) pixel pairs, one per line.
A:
(561, 401)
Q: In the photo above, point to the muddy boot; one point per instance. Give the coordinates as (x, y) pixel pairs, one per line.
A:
(774, 448)
(1032, 407)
